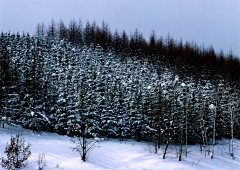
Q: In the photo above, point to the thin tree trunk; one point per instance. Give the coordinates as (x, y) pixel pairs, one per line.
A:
(156, 145)
(164, 154)
(180, 153)
(160, 124)
(185, 110)
(214, 131)
(83, 143)
(159, 137)
(205, 133)
(163, 142)
(84, 149)
(205, 136)
(204, 145)
(176, 149)
(201, 113)
(34, 86)
(214, 119)
(163, 134)
(232, 123)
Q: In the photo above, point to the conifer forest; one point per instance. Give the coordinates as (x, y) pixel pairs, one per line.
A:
(83, 80)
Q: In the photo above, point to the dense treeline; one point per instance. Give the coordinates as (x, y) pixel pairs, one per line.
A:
(79, 80)
(189, 55)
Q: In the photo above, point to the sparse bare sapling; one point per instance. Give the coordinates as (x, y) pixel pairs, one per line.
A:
(41, 161)
(84, 144)
(17, 153)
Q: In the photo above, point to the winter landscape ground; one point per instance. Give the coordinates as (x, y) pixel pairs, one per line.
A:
(114, 154)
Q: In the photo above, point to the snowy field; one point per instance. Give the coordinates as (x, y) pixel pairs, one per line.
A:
(114, 154)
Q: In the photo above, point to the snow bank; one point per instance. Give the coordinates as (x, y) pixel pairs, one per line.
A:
(114, 154)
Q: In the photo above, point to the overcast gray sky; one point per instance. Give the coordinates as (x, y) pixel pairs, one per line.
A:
(215, 22)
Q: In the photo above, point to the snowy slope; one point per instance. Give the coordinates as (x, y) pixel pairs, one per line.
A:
(114, 155)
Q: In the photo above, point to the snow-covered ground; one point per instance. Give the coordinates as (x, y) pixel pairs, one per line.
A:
(114, 154)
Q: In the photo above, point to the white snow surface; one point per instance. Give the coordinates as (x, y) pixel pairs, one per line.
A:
(113, 154)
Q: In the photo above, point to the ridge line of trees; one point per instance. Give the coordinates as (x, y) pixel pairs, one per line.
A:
(189, 55)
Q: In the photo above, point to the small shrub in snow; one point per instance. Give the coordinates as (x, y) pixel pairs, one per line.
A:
(41, 161)
(84, 145)
(17, 153)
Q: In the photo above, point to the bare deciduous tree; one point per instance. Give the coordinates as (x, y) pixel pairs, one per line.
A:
(84, 144)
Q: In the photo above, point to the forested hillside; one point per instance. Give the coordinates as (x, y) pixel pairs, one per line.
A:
(79, 80)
